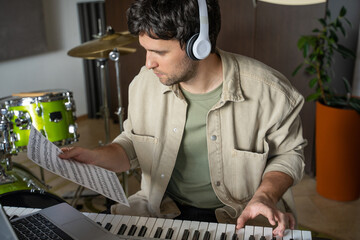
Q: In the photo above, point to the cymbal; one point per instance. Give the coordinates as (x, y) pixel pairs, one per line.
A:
(100, 48)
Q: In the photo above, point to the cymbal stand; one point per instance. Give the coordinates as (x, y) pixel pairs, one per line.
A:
(115, 56)
(101, 63)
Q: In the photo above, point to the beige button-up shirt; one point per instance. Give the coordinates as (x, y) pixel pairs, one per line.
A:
(253, 129)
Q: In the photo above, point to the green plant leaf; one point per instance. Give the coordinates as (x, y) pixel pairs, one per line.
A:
(347, 84)
(313, 82)
(322, 21)
(313, 97)
(344, 51)
(342, 12)
(297, 69)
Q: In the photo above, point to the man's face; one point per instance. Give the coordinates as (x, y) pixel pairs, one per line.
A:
(168, 60)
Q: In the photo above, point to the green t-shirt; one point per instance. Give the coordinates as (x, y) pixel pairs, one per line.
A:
(190, 180)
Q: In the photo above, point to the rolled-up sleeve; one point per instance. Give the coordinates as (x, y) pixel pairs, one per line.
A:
(286, 144)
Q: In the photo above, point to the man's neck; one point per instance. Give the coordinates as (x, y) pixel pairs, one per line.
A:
(209, 76)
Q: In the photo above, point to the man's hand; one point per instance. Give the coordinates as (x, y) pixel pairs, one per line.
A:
(261, 205)
(111, 156)
(272, 187)
(79, 154)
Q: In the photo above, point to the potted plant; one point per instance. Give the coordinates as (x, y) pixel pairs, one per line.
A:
(337, 116)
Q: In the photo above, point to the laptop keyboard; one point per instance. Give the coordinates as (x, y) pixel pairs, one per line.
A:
(37, 227)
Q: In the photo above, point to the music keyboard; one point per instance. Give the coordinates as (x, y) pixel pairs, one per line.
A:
(134, 227)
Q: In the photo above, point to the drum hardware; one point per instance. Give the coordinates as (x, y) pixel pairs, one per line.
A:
(103, 45)
(115, 56)
(100, 50)
(23, 120)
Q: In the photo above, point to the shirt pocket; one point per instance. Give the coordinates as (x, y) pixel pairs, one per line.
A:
(243, 172)
(145, 147)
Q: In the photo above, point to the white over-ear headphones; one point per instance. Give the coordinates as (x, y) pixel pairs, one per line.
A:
(198, 46)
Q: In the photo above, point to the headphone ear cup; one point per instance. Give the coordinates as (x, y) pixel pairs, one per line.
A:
(190, 45)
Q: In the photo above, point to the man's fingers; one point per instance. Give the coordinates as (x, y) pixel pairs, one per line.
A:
(282, 220)
(240, 223)
(292, 221)
(67, 152)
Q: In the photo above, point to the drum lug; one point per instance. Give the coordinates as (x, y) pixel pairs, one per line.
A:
(69, 106)
(38, 111)
(23, 120)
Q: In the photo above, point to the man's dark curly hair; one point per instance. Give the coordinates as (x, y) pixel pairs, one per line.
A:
(172, 19)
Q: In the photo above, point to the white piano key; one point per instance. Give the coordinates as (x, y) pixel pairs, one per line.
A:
(124, 220)
(212, 229)
(268, 233)
(287, 234)
(296, 235)
(203, 226)
(240, 233)
(185, 225)
(167, 225)
(230, 230)
(149, 224)
(249, 230)
(306, 235)
(142, 221)
(221, 228)
(133, 221)
(35, 210)
(9, 210)
(92, 216)
(99, 218)
(158, 223)
(19, 211)
(194, 225)
(258, 232)
(108, 218)
(116, 224)
(176, 227)
(26, 211)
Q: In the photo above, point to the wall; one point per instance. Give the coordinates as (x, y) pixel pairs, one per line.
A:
(53, 69)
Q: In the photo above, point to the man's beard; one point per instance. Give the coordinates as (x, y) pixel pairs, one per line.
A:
(187, 70)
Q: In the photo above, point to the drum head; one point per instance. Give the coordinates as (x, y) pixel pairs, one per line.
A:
(29, 199)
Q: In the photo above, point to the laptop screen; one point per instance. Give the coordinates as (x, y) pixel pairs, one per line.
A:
(6, 231)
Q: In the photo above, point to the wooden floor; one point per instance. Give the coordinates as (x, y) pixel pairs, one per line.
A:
(338, 220)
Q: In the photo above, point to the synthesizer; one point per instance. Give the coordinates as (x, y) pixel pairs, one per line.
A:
(134, 227)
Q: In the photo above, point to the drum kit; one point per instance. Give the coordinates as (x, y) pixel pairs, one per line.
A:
(52, 112)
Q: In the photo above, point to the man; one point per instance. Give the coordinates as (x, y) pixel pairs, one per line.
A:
(217, 139)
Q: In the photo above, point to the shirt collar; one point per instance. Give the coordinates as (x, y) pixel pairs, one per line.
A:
(231, 85)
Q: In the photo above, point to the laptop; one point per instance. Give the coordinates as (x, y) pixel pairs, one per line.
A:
(65, 221)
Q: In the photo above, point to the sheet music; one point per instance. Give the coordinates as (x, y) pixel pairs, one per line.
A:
(45, 154)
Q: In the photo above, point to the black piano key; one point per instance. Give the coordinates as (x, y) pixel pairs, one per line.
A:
(108, 226)
(251, 237)
(99, 223)
(169, 233)
(122, 229)
(235, 237)
(196, 235)
(132, 230)
(142, 231)
(207, 235)
(158, 232)
(223, 236)
(185, 235)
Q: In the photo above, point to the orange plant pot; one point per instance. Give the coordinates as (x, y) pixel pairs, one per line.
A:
(337, 153)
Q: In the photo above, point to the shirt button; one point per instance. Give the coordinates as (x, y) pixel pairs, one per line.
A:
(175, 129)
(213, 137)
(162, 175)
(218, 183)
